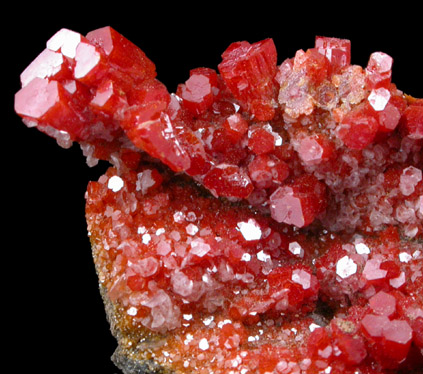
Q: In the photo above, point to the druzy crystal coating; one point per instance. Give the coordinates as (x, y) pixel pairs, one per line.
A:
(267, 217)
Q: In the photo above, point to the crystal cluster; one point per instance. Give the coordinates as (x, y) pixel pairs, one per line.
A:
(265, 218)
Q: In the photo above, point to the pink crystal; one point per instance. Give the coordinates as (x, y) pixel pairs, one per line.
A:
(378, 70)
(315, 149)
(49, 103)
(374, 324)
(383, 304)
(48, 64)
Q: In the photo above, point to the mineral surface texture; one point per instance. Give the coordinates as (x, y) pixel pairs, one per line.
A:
(267, 217)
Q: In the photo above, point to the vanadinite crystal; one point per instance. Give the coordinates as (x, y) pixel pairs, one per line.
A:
(265, 218)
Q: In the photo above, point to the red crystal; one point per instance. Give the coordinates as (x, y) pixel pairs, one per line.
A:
(48, 64)
(235, 127)
(249, 70)
(122, 54)
(396, 340)
(298, 203)
(48, 102)
(228, 180)
(358, 128)
(337, 51)
(263, 218)
(108, 99)
(351, 346)
(315, 149)
(413, 121)
(267, 170)
(261, 141)
(378, 70)
(90, 64)
(198, 91)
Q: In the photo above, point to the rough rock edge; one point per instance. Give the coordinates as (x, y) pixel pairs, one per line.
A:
(122, 357)
(131, 366)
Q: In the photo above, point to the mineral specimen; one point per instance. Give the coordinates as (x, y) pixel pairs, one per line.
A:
(264, 218)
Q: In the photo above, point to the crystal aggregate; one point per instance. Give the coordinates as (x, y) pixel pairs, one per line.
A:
(264, 218)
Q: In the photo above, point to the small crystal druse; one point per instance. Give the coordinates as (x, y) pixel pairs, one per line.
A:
(265, 218)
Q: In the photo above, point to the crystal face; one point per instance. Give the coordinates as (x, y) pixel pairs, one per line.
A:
(266, 217)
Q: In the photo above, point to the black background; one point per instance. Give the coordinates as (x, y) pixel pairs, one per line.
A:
(53, 315)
